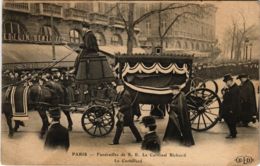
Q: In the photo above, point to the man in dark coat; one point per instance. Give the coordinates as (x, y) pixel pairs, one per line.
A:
(248, 100)
(179, 126)
(151, 140)
(125, 117)
(89, 46)
(57, 135)
(230, 107)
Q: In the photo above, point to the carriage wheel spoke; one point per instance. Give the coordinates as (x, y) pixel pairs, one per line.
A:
(198, 124)
(194, 116)
(104, 128)
(100, 130)
(91, 127)
(208, 118)
(95, 130)
(192, 119)
(204, 120)
(212, 108)
(195, 104)
(211, 113)
(213, 101)
(191, 106)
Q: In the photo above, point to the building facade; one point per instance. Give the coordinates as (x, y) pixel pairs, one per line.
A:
(194, 32)
(33, 22)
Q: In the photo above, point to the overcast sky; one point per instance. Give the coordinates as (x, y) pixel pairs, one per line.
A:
(227, 10)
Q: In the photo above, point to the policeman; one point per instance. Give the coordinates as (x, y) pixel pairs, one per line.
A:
(230, 107)
(57, 135)
(125, 117)
(248, 100)
(151, 140)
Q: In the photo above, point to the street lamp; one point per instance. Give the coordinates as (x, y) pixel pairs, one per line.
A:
(246, 44)
(251, 46)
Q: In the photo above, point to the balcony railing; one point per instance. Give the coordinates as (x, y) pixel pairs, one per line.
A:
(98, 18)
(15, 37)
(117, 22)
(76, 14)
(20, 7)
(48, 9)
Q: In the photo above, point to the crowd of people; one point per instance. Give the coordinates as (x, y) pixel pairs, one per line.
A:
(217, 70)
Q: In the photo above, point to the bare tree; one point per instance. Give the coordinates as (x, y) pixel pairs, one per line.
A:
(237, 37)
(197, 13)
(130, 22)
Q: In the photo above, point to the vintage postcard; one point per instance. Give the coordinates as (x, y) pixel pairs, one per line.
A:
(138, 83)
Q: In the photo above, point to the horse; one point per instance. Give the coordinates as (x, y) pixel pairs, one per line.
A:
(36, 95)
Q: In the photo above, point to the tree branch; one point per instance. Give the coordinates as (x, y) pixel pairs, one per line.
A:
(169, 7)
(122, 17)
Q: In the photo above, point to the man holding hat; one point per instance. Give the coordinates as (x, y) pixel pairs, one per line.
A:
(248, 100)
(57, 135)
(151, 140)
(230, 107)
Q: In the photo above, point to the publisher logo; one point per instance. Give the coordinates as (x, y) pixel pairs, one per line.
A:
(244, 159)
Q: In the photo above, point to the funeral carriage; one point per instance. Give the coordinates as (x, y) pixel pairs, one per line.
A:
(148, 78)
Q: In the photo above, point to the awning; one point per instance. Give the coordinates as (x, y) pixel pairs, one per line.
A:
(30, 56)
(113, 50)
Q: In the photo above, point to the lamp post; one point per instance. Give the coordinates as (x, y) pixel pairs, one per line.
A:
(52, 35)
(246, 43)
(251, 46)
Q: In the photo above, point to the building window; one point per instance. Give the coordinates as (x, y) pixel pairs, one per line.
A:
(74, 36)
(116, 40)
(147, 8)
(197, 46)
(186, 45)
(100, 39)
(148, 28)
(178, 45)
(46, 34)
(192, 46)
(164, 24)
(14, 31)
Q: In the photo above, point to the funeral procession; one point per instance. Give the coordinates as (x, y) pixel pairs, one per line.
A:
(93, 78)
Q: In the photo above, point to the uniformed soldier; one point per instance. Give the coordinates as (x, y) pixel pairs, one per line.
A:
(248, 100)
(57, 135)
(151, 140)
(230, 107)
(125, 117)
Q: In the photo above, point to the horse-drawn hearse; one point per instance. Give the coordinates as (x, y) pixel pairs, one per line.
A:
(148, 79)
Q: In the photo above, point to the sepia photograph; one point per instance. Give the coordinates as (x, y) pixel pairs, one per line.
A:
(130, 83)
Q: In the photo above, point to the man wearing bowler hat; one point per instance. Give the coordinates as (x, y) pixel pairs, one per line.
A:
(248, 100)
(57, 136)
(151, 140)
(230, 107)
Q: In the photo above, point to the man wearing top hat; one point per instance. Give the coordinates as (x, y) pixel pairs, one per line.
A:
(248, 100)
(151, 140)
(57, 136)
(230, 107)
(89, 46)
